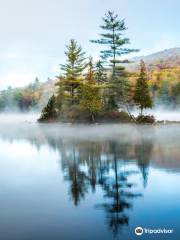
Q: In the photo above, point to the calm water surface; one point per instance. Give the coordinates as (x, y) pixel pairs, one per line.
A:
(62, 182)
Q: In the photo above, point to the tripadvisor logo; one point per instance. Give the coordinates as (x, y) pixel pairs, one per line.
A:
(139, 231)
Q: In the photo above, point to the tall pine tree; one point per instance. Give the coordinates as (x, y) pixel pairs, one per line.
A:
(112, 38)
(75, 64)
(142, 96)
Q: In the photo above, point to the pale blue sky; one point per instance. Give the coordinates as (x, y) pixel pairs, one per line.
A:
(34, 32)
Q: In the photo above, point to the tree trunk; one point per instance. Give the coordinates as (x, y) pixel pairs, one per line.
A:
(92, 117)
(114, 55)
(72, 95)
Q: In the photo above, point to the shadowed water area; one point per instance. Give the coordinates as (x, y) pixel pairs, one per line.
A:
(97, 182)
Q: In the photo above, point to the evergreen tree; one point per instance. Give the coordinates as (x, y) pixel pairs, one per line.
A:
(119, 96)
(49, 111)
(112, 37)
(102, 80)
(142, 96)
(75, 64)
(100, 75)
(90, 93)
(60, 93)
(90, 76)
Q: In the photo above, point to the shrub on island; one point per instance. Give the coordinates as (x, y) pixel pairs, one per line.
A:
(143, 119)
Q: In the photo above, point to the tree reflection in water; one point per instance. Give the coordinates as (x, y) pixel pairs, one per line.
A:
(143, 150)
(73, 173)
(86, 164)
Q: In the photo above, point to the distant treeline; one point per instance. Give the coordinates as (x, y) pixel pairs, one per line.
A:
(165, 87)
(32, 97)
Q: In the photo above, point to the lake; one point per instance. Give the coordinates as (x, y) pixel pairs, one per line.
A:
(63, 182)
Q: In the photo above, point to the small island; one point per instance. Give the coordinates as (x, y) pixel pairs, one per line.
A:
(100, 91)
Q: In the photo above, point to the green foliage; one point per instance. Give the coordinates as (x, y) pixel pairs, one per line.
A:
(112, 38)
(115, 117)
(164, 87)
(73, 114)
(90, 75)
(90, 94)
(100, 75)
(142, 96)
(23, 99)
(91, 100)
(49, 112)
(120, 88)
(61, 97)
(75, 64)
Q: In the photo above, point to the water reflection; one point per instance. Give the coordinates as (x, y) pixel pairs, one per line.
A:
(117, 163)
(88, 163)
(143, 151)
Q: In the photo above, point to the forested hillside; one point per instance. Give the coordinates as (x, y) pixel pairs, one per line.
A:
(169, 58)
(31, 97)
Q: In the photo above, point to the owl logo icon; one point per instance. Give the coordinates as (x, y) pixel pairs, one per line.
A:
(138, 231)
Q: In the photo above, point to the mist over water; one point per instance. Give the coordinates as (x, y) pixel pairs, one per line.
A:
(16, 117)
(162, 114)
(166, 114)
